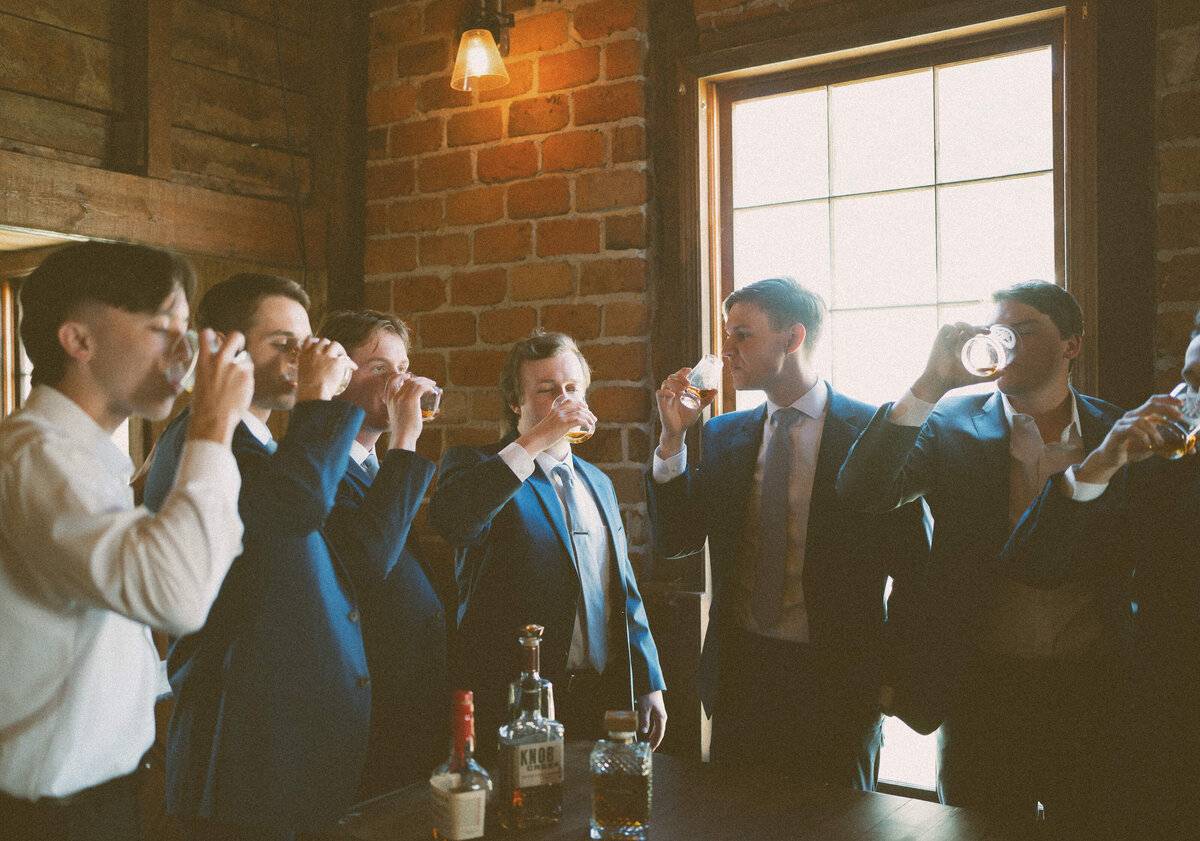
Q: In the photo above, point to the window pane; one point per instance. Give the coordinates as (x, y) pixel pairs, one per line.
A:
(780, 149)
(883, 250)
(882, 132)
(995, 233)
(995, 116)
(790, 240)
(878, 353)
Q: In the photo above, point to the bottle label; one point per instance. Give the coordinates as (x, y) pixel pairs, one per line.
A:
(457, 815)
(536, 763)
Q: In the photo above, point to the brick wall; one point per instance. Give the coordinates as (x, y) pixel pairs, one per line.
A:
(1178, 127)
(491, 214)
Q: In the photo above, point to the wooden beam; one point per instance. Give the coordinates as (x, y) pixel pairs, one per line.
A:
(141, 141)
(47, 195)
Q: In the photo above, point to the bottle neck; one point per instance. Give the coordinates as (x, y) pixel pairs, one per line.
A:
(531, 664)
(463, 745)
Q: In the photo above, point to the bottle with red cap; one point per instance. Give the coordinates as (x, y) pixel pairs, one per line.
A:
(459, 786)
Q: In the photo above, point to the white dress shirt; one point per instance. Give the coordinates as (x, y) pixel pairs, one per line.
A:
(599, 546)
(82, 574)
(806, 434)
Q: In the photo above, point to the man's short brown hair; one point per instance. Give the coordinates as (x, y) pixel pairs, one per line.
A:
(535, 346)
(354, 328)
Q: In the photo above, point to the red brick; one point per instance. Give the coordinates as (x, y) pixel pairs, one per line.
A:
(622, 232)
(704, 7)
(503, 243)
(580, 321)
(476, 367)
(395, 26)
(1177, 278)
(478, 125)
(540, 197)
(441, 172)
(542, 279)
(381, 68)
(408, 139)
(422, 58)
(637, 445)
(389, 105)
(417, 215)
(1173, 14)
(602, 448)
(507, 163)
(569, 69)
(504, 326)
(487, 405)
(476, 289)
(377, 295)
(538, 34)
(520, 81)
(377, 140)
(621, 403)
(445, 249)
(418, 294)
(1178, 57)
(610, 188)
(573, 150)
(1179, 225)
(602, 277)
(391, 255)
(568, 236)
(617, 362)
(1173, 333)
(1179, 116)
(603, 18)
(473, 207)
(447, 329)
(390, 179)
(626, 318)
(1179, 169)
(435, 94)
(469, 436)
(376, 222)
(432, 365)
(630, 485)
(624, 58)
(606, 103)
(539, 115)
(444, 17)
(629, 144)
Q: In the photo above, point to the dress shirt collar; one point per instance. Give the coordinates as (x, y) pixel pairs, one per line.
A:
(812, 404)
(358, 452)
(258, 429)
(1072, 431)
(62, 411)
(548, 462)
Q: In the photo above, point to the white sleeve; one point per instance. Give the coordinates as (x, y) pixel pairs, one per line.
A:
(910, 410)
(83, 541)
(518, 460)
(666, 469)
(1082, 491)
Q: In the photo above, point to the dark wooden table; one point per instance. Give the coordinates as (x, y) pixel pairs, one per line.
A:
(692, 801)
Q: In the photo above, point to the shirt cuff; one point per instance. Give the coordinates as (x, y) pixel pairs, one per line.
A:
(910, 410)
(666, 469)
(1081, 491)
(211, 463)
(518, 460)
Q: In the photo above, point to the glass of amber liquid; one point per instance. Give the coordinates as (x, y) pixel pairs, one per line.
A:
(291, 367)
(1179, 436)
(702, 382)
(431, 404)
(578, 434)
(986, 353)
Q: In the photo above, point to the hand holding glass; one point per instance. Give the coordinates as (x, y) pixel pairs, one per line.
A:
(291, 367)
(182, 357)
(703, 382)
(578, 434)
(431, 404)
(986, 353)
(1179, 436)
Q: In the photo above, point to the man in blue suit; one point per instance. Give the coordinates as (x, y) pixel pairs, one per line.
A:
(1022, 677)
(798, 648)
(404, 625)
(273, 702)
(1122, 515)
(506, 508)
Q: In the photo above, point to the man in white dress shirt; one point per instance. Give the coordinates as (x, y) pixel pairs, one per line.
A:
(84, 575)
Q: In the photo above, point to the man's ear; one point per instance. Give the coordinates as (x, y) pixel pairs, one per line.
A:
(516, 410)
(1074, 346)
(77, 340)
(796, 336)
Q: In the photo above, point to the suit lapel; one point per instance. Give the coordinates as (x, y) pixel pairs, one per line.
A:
(539, 483)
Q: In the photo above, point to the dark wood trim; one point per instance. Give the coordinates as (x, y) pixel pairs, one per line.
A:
(158, 89)
(141, 138)
(46, 195)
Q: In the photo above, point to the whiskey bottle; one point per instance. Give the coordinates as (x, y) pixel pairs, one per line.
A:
(459, 786)
(531, 749)
(620, 771)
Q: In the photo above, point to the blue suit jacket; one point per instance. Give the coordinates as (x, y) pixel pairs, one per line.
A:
(515, 565)
(404, 624)
(959, 463)
(847, 557)
(273, 696)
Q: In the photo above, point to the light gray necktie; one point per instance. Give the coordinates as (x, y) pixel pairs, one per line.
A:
(589, 573)
(766, 601)
(371, 464)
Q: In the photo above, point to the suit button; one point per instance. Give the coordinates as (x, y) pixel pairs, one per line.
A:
(352, 615)
(364, 682)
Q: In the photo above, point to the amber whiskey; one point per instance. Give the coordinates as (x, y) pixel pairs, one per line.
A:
(531, 748)
(459, 786)
(620, 772)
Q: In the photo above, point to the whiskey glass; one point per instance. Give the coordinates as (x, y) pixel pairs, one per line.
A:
(1179, 436)
(431, 404)
(986, 353)
(291, 367)
(183, 355)
(578, 434)
(703, 382)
